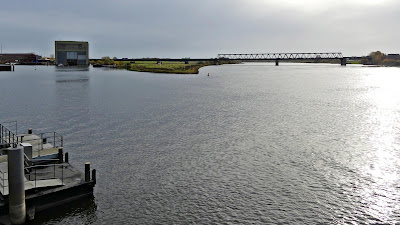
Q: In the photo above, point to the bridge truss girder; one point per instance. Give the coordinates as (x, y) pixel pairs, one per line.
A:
(282, 56)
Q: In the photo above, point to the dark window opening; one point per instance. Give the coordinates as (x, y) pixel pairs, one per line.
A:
(72, 62)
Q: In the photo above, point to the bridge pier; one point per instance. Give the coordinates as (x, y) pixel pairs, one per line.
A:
(277, 62)
(343, 61)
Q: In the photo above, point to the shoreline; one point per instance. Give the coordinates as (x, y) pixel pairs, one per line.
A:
(191, 69)
(170, 67)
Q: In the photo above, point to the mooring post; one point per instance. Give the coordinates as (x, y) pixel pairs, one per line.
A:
(87, 172)
(277, 62)
(61, 154)
(16, 185)
(66, 157)
(30, 131)
(94, 175)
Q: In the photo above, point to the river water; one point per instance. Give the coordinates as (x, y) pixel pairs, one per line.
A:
(250, 144)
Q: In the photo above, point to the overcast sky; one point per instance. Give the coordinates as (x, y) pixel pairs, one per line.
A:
(183, 28)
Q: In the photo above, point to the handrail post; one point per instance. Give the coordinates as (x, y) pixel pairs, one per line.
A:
(54, 167)
(39, 147)
(62, 174)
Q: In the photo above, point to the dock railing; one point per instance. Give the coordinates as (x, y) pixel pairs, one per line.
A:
(48, 171)
(45, 172)
(53, 138)
(6, 134)
(9, 137)
(36, 174)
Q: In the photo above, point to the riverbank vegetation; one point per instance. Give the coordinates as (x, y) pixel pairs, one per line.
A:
(165, 67)
(177, 67)
(376, 58)
(382, 59)
(105, 60)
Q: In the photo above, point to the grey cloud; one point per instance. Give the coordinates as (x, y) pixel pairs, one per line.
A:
(180, 28)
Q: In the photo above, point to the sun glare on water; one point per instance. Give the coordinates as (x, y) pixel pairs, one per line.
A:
(382, 126)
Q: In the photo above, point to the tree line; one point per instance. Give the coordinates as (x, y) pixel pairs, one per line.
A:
(380, 58)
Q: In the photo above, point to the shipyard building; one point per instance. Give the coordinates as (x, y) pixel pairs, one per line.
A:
(19, 58)
(72, 53)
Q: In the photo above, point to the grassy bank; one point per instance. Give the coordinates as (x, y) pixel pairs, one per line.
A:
(167, 67)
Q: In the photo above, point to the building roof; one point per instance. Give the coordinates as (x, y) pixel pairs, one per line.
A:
(73, 41)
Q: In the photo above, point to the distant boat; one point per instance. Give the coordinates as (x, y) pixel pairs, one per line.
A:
(97, 65)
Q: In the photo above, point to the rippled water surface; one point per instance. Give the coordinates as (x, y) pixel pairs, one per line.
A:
(251, 144)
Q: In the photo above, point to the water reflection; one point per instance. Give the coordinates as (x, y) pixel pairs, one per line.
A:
(83, 80)
(72, 75)
(72, 99)
(81, 211)
(382, 167)
(72, 68)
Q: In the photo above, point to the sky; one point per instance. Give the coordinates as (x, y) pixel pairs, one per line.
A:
(201, 29)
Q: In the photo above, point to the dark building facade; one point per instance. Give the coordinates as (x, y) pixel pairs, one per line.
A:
(18, 58)
(72, 53)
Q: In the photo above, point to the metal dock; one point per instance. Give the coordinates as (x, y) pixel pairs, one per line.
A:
(47, 178)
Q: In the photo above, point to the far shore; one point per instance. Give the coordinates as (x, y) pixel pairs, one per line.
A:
(173, 67)
(192, 67)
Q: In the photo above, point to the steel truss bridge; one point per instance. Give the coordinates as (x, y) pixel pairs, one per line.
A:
(282, 56)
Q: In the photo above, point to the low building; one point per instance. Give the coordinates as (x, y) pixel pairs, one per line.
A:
(393, 56)
(72, 53)
(18, 58)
